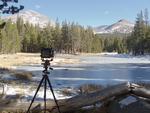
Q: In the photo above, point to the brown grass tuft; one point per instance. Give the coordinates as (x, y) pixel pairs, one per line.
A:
(23, 75)
(89, 88)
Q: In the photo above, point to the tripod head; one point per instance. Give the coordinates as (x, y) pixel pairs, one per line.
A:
(46, 65)
(47, 55)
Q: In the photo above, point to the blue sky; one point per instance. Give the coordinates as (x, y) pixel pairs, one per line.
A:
(88, 12)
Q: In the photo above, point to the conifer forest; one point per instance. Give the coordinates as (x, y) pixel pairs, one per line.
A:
(71, 38)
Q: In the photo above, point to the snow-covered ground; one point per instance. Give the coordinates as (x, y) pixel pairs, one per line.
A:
(27, 92)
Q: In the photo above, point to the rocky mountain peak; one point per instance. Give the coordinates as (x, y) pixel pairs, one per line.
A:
(32, 17)
(122, 26)
(123, 21)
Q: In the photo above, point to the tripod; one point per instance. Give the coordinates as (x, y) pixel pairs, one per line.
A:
(45, 80)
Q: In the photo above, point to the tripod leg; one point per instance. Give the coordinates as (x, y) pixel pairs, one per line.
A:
(28, 111)
(53, 94)
(45, 86)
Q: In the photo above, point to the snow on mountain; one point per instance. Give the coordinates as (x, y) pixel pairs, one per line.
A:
(100, 28)
(122, 26)
(32, 17)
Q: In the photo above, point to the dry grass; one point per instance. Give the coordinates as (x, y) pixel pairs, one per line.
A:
(89, 88)
(22, 75)
(66, 92)
(3, 70)
(12, 60)
(9, 60)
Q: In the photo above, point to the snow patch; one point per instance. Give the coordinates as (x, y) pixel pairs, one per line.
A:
(28, 92)
(127, 101)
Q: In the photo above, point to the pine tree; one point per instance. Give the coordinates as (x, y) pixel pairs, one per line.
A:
(146, 18)
(96, 45)
(57, 37)
(65, 36)
(138, 36)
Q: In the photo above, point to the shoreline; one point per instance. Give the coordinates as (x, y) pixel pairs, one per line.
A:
(11, 61)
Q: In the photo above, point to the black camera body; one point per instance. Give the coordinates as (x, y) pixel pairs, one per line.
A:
(47, 53)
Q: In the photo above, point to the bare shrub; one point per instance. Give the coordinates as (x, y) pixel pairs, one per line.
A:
(23, 75)
(67, 92)
(89, 88)
(4, 70)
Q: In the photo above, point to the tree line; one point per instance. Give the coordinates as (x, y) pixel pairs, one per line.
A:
(64, 38)
(138, 42)
(70, 37)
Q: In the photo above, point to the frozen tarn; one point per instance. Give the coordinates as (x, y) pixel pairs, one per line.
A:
(109, 58)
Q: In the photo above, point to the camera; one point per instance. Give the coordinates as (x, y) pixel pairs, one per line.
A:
(47, 53)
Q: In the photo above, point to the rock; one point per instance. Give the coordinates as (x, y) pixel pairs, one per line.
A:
(128, 100)
(139, 106)
(114, 107)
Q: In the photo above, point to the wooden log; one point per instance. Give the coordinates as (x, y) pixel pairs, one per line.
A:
(74, 103)
(84, 100)
(142, 92)
(92, 98)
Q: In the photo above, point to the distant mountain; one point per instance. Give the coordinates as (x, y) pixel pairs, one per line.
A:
(122, 26)
(32, 17)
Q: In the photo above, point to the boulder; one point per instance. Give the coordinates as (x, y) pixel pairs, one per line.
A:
(129, 105)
